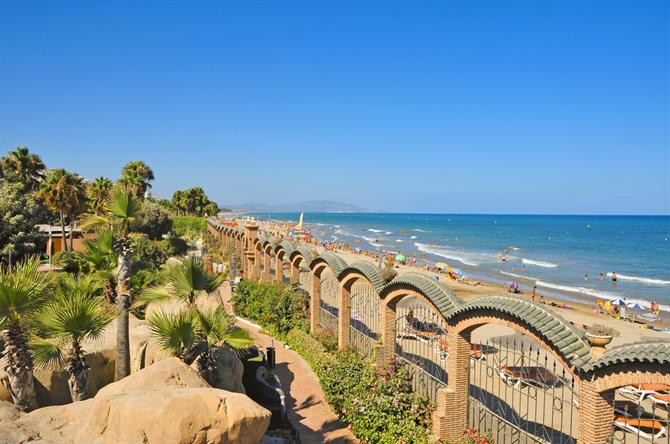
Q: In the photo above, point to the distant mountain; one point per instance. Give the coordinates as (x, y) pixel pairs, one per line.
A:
(310, 206)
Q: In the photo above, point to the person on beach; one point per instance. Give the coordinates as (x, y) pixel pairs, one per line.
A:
(513, 268)
(655, 308)
(533, 293)
(614, 278)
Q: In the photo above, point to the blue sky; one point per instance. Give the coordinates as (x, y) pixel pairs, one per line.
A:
(515, 107)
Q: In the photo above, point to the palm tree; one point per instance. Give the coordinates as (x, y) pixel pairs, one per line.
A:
(61, 191)
(22, 293)
(74, 316)
(120, 210)
(77, 205)
(192, 333)
(26, 167)
(136, 176)
(98, 192)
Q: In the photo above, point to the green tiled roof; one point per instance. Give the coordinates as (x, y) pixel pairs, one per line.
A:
(441, 297)
(366, 269)
(656, 352)
(335, 262)
(287, 246)
(303, 251)
(552, 327)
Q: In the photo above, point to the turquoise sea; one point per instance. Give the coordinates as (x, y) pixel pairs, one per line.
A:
(553, 252)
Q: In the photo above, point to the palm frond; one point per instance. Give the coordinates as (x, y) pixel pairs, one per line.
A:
(74, 317)
(23, 290)
(123, 205)
(217, 325)
(173, 332)
(94, 222)
(46, 354)
(187, 279)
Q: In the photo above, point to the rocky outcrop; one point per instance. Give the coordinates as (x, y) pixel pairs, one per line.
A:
(229, 370)
(167, 402)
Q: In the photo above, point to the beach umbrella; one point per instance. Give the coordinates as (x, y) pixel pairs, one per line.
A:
(636, 306)
(358, 249)
(400, 258)
(618, 301)
(457, 271)
(441, 265)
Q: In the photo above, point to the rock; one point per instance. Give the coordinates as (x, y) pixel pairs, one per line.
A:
(5, 394)
(192, 415)
(230, 370)
(168, 373)
(147, 353)
(9, 412)
(167, 402)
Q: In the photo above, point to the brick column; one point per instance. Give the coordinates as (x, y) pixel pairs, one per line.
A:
(295, 273)
(387, 320)
(596, 415)
(450, 418)
(249, 255)
(378, 350)
(266, 268)
(257, 264)
(279, 270)
(344, 318)
(315, 302)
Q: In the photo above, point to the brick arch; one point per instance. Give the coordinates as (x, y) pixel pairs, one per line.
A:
(435, 295)
(317, 266)
(347, 278)
(550, 330)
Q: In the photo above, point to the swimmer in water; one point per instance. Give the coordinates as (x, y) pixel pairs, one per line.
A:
(513, 268)
(602, 276)
(586, 277)
(614, 278)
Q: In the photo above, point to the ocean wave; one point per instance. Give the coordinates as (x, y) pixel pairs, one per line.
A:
(419, 230)
(334, 237)
(471, 259)
(595, 293)
(387, 233)
(412, 237)
(374, 230)
(538, 263)
(517, 275)
(642, 280)
(398, 240)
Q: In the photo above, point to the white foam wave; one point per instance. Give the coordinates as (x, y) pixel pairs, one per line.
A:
(412, 237)
(374, 230)
(398, 240)
(594, 293)
(538, 263)
(387, 233)
(517, 275)
(419, 230)
(472, 259)
(642, 280)
(334, 237)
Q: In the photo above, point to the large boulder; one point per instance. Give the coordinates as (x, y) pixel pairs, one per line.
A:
(229, 370)
(168, 373)
(167, 402)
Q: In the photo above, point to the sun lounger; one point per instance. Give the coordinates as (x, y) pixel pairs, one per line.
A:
(644, 390)
(529, 375)
(475, 350)
(415, 329)
(646, 428)
(660, 400)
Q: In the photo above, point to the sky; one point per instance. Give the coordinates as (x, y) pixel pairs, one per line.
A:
(559, 107)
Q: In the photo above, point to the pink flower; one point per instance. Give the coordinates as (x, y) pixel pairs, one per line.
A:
(344, 410)
(356, 401)
(361, 410)
(349, 427)
(379, 401)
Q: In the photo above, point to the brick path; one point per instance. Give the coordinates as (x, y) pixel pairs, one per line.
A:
(308, 411)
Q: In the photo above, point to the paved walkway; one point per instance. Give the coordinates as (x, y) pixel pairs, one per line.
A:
(308, 411)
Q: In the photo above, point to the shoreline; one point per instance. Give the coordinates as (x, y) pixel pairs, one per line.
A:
(577, 311)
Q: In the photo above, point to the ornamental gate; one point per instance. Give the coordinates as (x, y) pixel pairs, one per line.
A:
(328, 310)
(364, 324)
(421, 343)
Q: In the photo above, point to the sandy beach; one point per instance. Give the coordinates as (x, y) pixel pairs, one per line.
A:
(580, 314)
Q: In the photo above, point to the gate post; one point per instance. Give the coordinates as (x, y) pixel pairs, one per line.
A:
(279, 269)
(295, 272)
(344, 318)
(450, 418)
(266, 267)
(315, 301)
(387, 319)
(596, 418)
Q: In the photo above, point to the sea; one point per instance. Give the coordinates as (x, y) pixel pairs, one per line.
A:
(563, 255)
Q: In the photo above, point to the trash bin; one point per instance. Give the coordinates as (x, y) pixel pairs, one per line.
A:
(270, 356)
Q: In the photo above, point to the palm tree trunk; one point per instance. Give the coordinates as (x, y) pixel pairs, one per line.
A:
(71, 231)
(19, 369)
(62, 228)
(122, 364)
(78, 379)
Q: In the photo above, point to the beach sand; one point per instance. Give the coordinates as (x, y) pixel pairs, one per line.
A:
(580, 314)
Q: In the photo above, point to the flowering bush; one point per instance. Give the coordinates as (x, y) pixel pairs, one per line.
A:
(278, 309)
(378, 405)
(472, 436)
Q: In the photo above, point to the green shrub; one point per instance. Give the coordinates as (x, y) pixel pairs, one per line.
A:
(191, 226)
(378, 404)
(278, 309)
